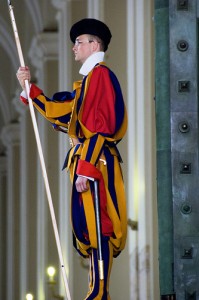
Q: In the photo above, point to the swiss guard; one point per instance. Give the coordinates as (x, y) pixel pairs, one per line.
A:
(95, 119)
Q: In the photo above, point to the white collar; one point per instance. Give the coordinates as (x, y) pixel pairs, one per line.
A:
(90, 62)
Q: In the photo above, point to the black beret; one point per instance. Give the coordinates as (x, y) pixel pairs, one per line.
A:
(93, 27)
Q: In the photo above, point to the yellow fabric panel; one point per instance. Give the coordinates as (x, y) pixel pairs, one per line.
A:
(97, 149)
(120, 191)
(90, 217)
(57, 109)
(73, 118)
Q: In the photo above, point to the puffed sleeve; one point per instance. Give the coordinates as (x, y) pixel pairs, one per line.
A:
(57, 109)
(101, 116)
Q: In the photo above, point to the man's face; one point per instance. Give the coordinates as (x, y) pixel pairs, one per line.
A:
(83, 48)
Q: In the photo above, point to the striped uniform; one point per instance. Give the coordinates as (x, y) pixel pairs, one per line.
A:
(94, 116)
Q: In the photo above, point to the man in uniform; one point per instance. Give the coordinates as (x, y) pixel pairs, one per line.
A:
(94, 117)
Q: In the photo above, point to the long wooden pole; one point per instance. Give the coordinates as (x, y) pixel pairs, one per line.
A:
(36, 131)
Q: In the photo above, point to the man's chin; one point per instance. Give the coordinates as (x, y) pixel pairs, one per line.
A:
(77, 59)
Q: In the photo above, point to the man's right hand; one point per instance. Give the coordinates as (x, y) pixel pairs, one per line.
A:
(23, 74)
(81, 184)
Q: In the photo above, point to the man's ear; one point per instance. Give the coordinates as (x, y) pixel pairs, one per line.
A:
(96, 46)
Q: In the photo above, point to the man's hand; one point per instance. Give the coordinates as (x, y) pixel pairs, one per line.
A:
(23, 74)
(81, 184)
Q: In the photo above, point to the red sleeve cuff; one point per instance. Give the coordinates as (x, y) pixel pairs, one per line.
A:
(35, 91)
(24, 100)
(85, 168)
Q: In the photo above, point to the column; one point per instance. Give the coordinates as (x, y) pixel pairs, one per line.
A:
(3, 210)
(95, 9)
(141, 166)
(64, 11)
(43, 55)
(28, 200)
(132, 179)
(63, 17)
(10, 139)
